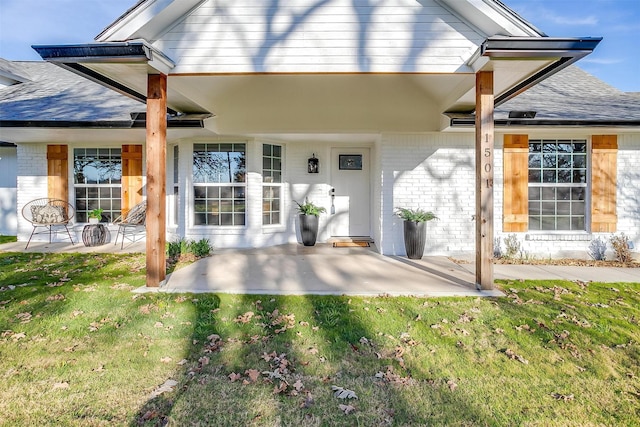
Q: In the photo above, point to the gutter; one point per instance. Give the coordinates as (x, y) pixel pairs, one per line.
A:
(71, 58)
(566, 50)
(138, 121)
(459, 122)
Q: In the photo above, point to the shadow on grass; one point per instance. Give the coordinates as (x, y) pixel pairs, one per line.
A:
(299, 347)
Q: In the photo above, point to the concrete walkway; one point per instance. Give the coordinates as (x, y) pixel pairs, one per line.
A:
(325, 270)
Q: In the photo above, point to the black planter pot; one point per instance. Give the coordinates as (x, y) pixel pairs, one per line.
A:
(308, 229)
(415, 237)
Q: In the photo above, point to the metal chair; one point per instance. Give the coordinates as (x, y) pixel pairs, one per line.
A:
(48, 213)
(132, 223)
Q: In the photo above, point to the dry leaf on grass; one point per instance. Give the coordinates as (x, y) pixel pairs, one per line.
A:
(244, 318)
(61, 385)
(343, 393)
(234, 377)
(253, 374)
(512, 355)
(565, 397)
(167, 387)
(165, 359)
(347, 409)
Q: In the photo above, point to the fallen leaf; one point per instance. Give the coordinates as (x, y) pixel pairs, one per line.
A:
(565, 397)
(253, 374)
(298, 385)
(280, 388)
(347, 409)
(164, 388)
(234, 377)
(166, 359)
(308, 401)
(343, 393)
(452, 385)
(61, 385)
(515, 356)
(244, 318)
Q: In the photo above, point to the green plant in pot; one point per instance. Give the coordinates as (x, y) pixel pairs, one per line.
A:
(308, 216)
(95, 215)
(415, 230)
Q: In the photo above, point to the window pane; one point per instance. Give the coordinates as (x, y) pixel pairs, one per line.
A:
(557, 178)
(219, 163)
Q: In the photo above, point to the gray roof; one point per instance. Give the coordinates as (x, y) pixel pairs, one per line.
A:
(50, 93)
(575, 95)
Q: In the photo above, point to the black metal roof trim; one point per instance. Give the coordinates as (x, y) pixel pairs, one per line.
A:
(470, 122)
(136, 51)
(568, 50)
(7, 144)
(538, 47)
(68, 124)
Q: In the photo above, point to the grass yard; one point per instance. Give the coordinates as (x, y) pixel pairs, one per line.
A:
(78, 348)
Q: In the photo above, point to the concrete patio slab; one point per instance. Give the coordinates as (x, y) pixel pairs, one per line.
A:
(323, 270)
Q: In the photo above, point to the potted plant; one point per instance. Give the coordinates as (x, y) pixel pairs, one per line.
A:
(415, 230)
(308, 216)
(95, 216)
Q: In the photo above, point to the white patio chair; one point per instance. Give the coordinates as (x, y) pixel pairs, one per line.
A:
(49, 214)
(132, 224)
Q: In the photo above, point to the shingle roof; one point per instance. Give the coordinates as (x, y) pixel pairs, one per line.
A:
(54, 94)
(574, 94)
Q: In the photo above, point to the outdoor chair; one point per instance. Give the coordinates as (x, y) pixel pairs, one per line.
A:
(132, 224)
(49, 214)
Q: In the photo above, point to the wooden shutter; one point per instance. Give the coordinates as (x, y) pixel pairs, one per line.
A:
(131, 176)
(516, 180)
(57, 173)
(604, 152)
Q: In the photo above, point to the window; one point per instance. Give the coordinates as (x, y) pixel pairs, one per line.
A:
(271, 184)
(97, 175)
(219, 172)
(557, 185)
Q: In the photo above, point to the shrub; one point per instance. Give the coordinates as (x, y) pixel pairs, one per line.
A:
(621, 249)
(512, 246)
(201, 248)
(597, 249)
(497, 248)
(182, 246)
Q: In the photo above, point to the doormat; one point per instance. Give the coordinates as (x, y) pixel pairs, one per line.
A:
(351, 244)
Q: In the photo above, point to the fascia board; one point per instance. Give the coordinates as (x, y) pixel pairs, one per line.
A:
(148, 19)
(491, 17)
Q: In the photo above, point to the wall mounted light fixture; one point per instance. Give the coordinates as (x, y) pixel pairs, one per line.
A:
(313, 164)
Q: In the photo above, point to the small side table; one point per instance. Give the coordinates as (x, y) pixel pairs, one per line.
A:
(94, 234)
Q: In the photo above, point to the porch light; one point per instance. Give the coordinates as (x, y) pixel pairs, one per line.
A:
(313, 164)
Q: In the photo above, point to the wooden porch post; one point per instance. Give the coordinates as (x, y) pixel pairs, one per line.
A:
(484, 179)
(156, 177)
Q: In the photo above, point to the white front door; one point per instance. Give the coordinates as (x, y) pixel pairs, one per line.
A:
(350, 208)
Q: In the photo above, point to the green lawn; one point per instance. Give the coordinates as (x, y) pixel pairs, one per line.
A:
(77, 347)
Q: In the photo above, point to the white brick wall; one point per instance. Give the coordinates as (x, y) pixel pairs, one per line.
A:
(429, 171)
(32, 181)
(433, 172)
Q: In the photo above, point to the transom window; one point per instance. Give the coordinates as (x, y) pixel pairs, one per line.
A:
(271, 184)
(219, 176)
(557, 184)
(97, 178)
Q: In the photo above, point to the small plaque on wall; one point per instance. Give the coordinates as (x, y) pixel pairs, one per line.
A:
(350, 162)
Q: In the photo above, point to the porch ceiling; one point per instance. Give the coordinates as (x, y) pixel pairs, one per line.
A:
(310, 103)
